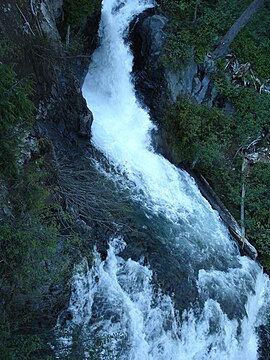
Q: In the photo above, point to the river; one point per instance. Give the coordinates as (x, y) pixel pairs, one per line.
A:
(117, 304)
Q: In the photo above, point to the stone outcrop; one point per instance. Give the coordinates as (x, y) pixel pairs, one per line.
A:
(148, 37)
(156, 84)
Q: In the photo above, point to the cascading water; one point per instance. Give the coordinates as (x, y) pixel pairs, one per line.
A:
(115, 300)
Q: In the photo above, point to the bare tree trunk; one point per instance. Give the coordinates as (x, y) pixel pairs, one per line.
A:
(68, 35)
(196, 10)
(226, 41)
(243, 231)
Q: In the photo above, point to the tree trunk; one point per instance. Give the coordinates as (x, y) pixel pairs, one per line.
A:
(68, 35)
(243, 232)
(246, 16)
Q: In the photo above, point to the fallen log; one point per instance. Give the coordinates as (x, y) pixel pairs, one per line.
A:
(225, 215)
(245, 246)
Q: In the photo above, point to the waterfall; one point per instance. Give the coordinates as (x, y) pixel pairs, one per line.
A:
(122, 315)
(116, 300)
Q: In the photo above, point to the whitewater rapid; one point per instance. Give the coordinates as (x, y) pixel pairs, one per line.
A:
(115, 299)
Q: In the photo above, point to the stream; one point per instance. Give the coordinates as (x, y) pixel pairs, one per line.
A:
(118, 308)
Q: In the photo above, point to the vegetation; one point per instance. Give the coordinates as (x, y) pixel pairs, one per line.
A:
(32, 224)
(77, 10)
(253, 43)
(197, 27)
(211, 140)
(196, 133)
(31, 239)
(34, 229)
(15, 117)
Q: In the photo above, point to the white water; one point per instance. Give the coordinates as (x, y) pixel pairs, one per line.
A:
(116, 297)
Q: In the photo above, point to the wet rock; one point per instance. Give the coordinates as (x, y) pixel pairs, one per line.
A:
(153, 35)
(148, 38)
(57, 9)
(85, 125)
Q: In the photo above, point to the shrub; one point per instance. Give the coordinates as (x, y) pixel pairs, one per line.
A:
(197, 133)
(16, 116)
(253, 43)
(77, 10)
(197, 26)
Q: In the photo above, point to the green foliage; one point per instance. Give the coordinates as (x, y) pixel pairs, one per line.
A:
(257, 209)
(30, 264)
(77, 10)
(15, 117)
(25, 247)
(197, 133)
(253, 43)
(31, 241)
(21, 347)
(251, 116)
(252, 109)
(178, 51)
(29, 191)
(197, 27)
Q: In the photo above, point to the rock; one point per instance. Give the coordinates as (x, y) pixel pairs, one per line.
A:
(182, 82)
(200, 96)
(191, 81)
(57, 9)
(148, 39)
(153, 35)
(47, 18)
(158, 86)
(85, 125)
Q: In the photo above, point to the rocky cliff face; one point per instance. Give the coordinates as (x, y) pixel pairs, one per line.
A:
(157, 84)
(63, 126)
(57, 74)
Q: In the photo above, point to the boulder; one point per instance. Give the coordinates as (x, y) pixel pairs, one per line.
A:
(148, 38)
(158, 85)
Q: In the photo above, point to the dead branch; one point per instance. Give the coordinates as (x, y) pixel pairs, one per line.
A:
(26, 22)
(243, 75)
(87, 195)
